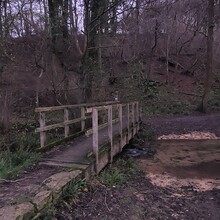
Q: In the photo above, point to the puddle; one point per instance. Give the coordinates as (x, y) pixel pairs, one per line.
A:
(203, 170)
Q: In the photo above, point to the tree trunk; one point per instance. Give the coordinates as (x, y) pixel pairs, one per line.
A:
(32, 15)
(86, 23)
(137, 16)
(149, 75)
(64, 23)
(167, 58)
(74, 28)
(91, 55)
(45, 16)
(1, 26)
(113, 19)
(53, 24)
(93, 29)
(6, 29)
(209, 66)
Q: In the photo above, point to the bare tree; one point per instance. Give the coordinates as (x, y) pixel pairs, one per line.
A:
(209, 65)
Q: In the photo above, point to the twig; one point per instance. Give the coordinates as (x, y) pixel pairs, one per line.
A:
(13, 181)
(191, 94)
(106, 203)
(45, 180)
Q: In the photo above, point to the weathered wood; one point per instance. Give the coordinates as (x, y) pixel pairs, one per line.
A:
(57, 142)
(132, 118)
(95, 139)
(60, 125)
(66, 119)
(120, 123)
(89, 131)
(128, 117)
(43, 137)
(61, 107)
(133, 113)
(110, 131)
(137, 115)
(140, 112)
(83, 116)
(100, 108)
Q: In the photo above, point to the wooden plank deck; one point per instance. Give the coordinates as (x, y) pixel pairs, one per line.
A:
(78, 150)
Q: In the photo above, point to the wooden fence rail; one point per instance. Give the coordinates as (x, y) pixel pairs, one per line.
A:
(66, 122)
(127, 115)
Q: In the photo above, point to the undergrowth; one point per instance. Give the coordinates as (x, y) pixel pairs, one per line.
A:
(118, 174)
(19, 139)
(146, 135)
(214, 101)
(73, 190)
(163, 103)
(112, 178)
(11, 163)
(17, 150)
(158, 98)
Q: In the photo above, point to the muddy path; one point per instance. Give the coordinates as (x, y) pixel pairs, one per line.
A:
(188, 151)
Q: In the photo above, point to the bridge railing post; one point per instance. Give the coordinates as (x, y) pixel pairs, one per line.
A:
(95, 139)
(120, 124)
(42, 122)
(132, 118)
(137, 115)
(140, 113)
(128, 121)
(110, 135)
(83, 117)
(66, 119)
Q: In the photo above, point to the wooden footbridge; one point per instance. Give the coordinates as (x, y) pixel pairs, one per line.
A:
(94, 134)
(103, 130)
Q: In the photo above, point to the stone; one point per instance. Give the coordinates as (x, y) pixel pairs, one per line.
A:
(57, 181)
(22, 211)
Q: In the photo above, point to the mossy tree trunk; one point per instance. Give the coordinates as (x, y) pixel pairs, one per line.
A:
(100, 18)
(209, 66)
(90, 59)
(58, 20)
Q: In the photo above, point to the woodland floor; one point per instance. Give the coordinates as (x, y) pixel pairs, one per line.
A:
(181, 181)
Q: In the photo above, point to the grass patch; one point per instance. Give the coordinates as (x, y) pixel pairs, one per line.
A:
(112, 178)
(119, 173)
(72, 190)
(12, 163)
(125, 166)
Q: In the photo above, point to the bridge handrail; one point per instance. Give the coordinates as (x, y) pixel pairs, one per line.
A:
(62, 107)
(87, 108)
